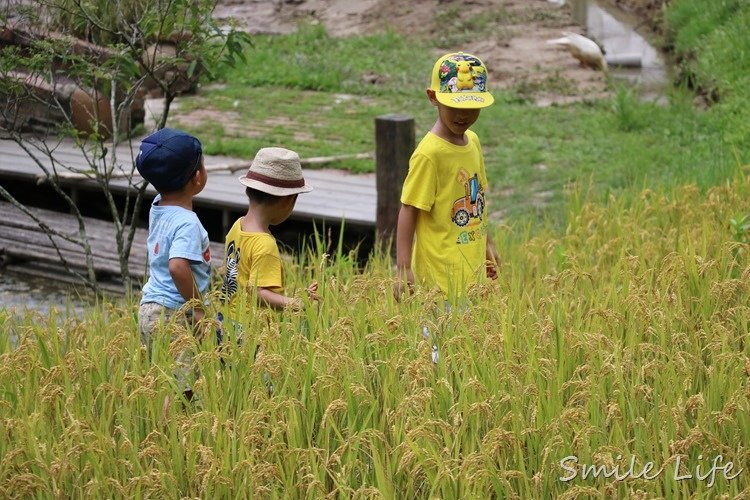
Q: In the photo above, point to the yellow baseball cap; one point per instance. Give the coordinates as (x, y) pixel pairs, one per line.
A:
(460, 81)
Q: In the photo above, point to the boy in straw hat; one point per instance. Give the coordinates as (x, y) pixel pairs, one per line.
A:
(441, 235)
(253, 261)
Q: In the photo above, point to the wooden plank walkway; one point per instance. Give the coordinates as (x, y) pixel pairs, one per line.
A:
(337, 195)
(22, 241)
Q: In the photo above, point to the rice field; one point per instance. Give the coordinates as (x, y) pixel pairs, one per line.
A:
(620, 341)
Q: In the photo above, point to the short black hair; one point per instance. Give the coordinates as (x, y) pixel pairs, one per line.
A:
(260, 197)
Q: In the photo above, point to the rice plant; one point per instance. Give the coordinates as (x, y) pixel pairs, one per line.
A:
(621, 340)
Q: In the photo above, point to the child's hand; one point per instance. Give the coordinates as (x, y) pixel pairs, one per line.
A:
(199, 331)
(312, 291)
(197, 314)
(492, 261)
(295, 304)
(491, 269)
(405, 279)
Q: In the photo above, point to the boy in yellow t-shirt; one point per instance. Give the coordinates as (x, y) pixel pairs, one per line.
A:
(253, 262)
(443, 197)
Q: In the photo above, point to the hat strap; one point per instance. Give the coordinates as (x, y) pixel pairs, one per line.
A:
(281, 183)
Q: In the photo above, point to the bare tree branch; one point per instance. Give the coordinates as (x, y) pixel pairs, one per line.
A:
(50, 232)
(106, 69)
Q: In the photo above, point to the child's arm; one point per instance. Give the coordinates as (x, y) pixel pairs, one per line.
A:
(407, 223)
(278, 301)
(492, 259)
(182, 275)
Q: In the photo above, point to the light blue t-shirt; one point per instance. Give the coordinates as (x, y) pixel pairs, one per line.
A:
(174, 232)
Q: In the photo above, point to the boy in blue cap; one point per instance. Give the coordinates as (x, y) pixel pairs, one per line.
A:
(178, 245)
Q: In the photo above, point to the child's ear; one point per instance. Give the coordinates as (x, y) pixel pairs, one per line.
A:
(431, 97)
(196, 178)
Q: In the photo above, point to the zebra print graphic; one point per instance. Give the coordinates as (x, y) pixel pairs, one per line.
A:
(229, 288)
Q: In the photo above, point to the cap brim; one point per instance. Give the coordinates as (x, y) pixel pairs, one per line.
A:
(465, 100)
(276, 191)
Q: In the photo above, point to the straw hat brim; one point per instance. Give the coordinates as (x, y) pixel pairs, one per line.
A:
(274, 190)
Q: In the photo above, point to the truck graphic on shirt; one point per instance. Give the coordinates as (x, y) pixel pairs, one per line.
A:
(471, 205)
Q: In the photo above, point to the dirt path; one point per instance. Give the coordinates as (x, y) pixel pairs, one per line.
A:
(510, 35)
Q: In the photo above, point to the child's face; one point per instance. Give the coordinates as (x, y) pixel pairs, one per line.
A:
(284, 209)
(456, 121)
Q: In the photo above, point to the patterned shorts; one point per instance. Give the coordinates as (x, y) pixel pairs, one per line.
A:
(151, 320)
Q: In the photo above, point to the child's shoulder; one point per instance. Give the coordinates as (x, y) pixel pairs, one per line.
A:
(432, 145)
(472, 136)
(256, 245)
(174, 214)
(252, 241)
(429, 145)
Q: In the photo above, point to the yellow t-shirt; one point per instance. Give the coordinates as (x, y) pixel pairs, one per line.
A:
(252, 260)
(447, 183)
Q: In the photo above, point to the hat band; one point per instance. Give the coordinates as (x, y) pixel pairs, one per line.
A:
(280, 183)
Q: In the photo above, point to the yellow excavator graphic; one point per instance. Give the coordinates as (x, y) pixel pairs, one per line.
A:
(471, 205)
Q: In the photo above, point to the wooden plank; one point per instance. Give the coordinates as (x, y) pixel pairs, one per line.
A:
(52, 273)
(37, 238)
(69, 155)
(21, 238)
(340, 177)
(337, 194)
(30, 253)
(327, 197)
(100, 247)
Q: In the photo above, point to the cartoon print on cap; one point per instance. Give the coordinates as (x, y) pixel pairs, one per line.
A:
(462, 73)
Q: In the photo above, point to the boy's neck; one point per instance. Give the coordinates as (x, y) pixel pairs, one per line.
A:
(177, 199)
(440, 130)
(256, 220)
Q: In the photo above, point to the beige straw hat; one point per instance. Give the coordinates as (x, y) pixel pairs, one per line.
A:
(276, 171)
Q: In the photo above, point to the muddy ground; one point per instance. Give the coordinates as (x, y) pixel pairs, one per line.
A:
(513, 44)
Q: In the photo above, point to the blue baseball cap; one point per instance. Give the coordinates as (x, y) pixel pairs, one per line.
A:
(168, 158)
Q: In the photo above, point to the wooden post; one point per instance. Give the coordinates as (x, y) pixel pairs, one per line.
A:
(394, 145)
(225, 221)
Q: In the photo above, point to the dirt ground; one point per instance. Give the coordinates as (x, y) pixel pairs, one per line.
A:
(513, 44)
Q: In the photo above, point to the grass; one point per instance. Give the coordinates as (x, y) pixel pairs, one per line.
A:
(311, 59)
(528, 151)
(312, 123)
(613, 145)
(322, 101)
(710, 38)
(625, 335)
